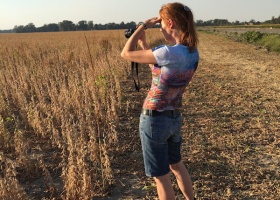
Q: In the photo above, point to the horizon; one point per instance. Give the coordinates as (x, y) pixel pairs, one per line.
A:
(121, 22)
(41, 12)
(117, 23)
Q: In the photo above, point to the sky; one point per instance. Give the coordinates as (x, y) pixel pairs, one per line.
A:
(40, 12)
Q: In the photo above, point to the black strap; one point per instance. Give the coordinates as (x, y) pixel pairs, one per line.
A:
(137, 85)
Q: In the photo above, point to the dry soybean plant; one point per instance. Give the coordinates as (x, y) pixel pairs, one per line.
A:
(59, 100)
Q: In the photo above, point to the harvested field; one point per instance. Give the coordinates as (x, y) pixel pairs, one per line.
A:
(231, 129)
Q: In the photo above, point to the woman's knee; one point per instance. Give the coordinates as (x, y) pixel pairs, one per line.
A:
(163, 178)
(176, 167)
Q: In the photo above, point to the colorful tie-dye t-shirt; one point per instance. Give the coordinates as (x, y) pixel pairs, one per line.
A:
(175, 69)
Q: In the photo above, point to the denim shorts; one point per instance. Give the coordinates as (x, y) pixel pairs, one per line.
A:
(161, 143)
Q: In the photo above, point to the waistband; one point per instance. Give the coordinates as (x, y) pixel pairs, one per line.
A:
(153, 113)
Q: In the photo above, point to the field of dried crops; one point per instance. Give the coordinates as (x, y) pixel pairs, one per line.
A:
(69, 119)
(58, 111)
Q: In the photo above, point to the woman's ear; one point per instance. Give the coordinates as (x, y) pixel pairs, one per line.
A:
(171, 23)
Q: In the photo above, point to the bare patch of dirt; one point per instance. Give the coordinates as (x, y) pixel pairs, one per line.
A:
(231, 127)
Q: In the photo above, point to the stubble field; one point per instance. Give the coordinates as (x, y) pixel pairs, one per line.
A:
(69, 119)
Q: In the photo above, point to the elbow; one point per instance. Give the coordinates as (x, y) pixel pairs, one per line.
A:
(122, 54)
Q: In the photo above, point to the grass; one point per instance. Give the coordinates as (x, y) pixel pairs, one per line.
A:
(69, 119)
(270, 42)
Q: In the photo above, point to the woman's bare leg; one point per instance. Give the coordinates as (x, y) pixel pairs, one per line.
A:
(183, 179)
(164, 187)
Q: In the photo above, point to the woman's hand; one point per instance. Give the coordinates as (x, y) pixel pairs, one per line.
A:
(149, 23)
(153, 21)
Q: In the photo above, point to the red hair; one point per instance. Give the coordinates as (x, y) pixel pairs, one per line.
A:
(183, 18)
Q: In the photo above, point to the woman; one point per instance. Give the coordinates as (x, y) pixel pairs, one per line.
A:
(172, 69)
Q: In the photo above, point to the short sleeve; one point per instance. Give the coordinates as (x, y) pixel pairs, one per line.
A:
(161, 54)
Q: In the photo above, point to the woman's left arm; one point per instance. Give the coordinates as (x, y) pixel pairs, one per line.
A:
(144, 56)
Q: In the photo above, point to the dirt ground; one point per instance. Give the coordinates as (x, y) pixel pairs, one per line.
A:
(231, 127)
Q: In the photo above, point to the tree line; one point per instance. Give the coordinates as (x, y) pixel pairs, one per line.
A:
(67, 25)
(84, 25)
(225, 22)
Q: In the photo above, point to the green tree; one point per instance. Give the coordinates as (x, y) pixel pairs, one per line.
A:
(53, 27)
(236, 22)
(199, 22)
(18, 29)
(90, 25)
(43, 28)
(66, 25)
(273, 21)
(122, 25)
(82, 25)
(97, 26)
(30, 28)
(252, 21)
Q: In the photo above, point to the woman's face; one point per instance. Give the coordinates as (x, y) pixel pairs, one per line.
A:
(165, 30)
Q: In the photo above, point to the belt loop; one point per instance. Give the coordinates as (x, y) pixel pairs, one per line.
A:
(150, 112)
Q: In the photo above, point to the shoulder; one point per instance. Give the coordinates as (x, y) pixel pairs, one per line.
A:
(160, 49)
(161, 54)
